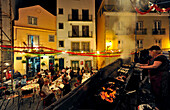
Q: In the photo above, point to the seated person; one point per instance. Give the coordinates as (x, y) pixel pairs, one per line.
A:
(67, 76)
(67, 88)
(55, 76)
(45, 87)
(40, 80)
(77, 83)
(17, 74)
(50, 96)
(24, 81)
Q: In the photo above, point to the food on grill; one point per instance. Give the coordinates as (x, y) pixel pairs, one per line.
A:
(108, 95)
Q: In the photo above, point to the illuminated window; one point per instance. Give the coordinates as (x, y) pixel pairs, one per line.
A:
(75, 46)
(85, 46)
(33, 41)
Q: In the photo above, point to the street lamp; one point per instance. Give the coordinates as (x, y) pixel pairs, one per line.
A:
(109, 45)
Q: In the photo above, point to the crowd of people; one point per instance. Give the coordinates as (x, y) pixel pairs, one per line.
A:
(45, 78)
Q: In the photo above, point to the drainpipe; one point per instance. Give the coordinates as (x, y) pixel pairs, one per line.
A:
(169, 34)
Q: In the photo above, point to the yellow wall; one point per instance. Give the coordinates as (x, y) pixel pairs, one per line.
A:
(46, 25)
(101, 38)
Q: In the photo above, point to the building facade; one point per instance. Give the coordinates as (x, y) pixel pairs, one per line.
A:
(119, 26)
(7, 9)
(76, 32)
(35, 27)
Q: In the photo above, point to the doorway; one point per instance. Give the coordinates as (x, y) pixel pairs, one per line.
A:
(61, 63)
(33, 66)
(74, 64)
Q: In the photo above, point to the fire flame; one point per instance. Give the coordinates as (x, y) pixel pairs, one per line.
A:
(108, 96)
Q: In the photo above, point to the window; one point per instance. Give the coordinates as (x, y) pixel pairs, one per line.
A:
(51, 38)
(61, 43)
(18, 58)
(139, 43)
(139, 25)
(33, 41)
(75, 31)
(120, 44)
(74, 65)
(61, 26)
(60, 11)
(85, 15)
(75, 14)
(32, 20)
(157, 25)
(75, 46)
(85, 46)
(158, 42)
(85, 30)
(88, 64)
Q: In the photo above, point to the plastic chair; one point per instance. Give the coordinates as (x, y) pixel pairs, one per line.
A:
(27, 94)
(42, 95)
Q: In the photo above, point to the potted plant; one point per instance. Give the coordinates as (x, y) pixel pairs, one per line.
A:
(42, 63)
(24, 61)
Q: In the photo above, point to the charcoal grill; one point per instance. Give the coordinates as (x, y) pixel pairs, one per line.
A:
(87, 95)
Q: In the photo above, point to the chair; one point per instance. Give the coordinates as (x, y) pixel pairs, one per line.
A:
(42, 95)
(27, 94)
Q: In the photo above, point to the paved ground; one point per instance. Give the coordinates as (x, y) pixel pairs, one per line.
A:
(12, 104)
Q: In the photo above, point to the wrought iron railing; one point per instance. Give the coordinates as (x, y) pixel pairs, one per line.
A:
(80, 34)
(79, 18)
(158, 31)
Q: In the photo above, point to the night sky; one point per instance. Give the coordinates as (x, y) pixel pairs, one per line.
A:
(50, 5)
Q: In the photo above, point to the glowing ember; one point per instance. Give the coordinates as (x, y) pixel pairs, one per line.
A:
(109, 95)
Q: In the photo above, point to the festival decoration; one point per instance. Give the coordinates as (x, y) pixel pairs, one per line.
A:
(152, 7)
(115, 53)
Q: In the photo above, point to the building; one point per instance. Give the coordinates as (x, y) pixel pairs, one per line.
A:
(76, 32)
(119, 26)
(7, 9)
(35, 27)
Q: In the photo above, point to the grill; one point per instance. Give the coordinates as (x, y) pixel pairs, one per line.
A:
(109, 89)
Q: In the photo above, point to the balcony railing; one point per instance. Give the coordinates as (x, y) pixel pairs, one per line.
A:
(141, 32)
(80, 50)
(79, 18)
(158, 31)
(80, 34)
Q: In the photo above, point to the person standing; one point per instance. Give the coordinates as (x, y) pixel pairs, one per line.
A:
(158, 71)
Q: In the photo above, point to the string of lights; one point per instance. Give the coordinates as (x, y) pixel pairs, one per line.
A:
(115, 53)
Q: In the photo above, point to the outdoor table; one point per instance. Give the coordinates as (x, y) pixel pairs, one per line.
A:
(32, 81)
(85, 77)
(94, 71)
(31, 86)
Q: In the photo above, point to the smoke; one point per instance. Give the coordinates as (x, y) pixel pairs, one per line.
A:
(123, 24)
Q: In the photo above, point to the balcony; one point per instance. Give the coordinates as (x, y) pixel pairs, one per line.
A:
(141, 32)
(80, 34)
(79, 18)
(158, 31)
